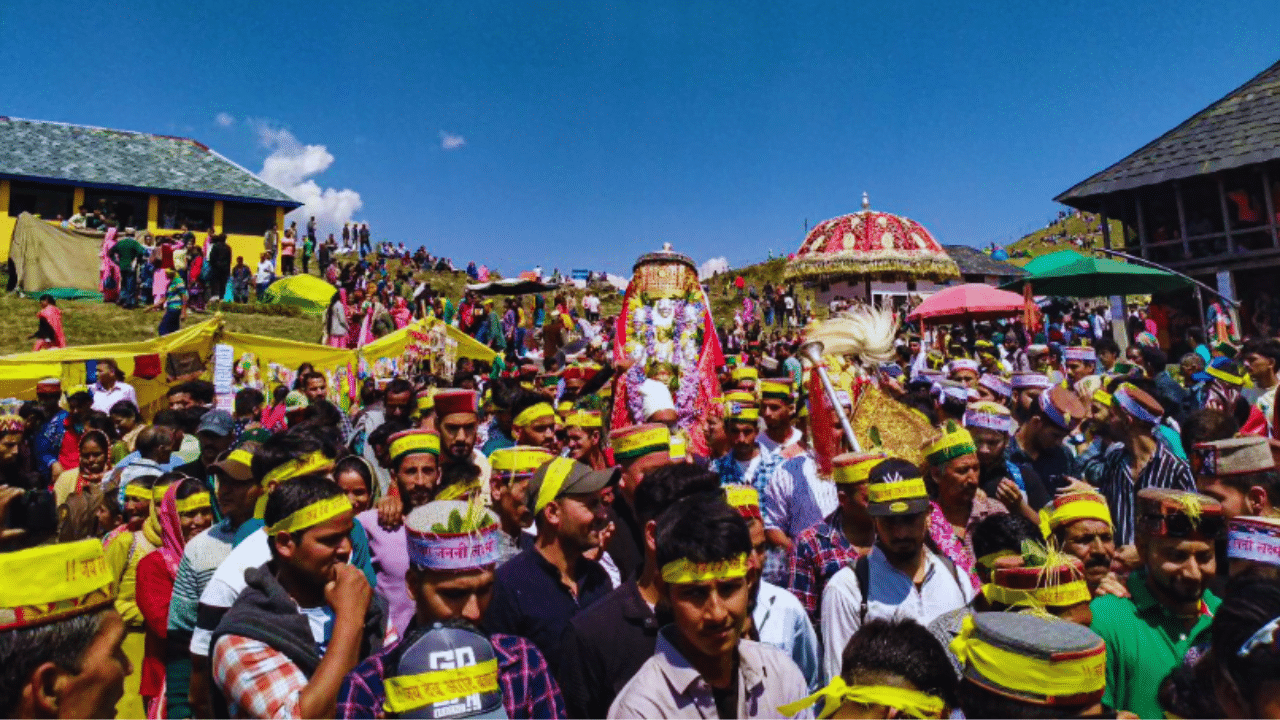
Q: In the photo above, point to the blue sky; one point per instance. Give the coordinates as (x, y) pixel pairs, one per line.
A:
(581, 134)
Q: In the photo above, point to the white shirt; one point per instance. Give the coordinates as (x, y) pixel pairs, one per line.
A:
(781, 489)
(781, 621)
(893, 596)
(228, 582)
(768, 445)
(265, 270)
(103, 399)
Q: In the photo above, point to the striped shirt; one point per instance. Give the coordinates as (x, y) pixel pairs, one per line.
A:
(176, 294)
(1120, 487)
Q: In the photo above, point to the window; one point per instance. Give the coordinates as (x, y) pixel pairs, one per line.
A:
(247, 218)
(194, 213)
(47, 201)
(129, 209)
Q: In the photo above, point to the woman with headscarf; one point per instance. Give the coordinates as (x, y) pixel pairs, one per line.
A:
(49, 334)
(336, 330)
(94, 449)
(185, 511)
(195, 280)
(400, 313)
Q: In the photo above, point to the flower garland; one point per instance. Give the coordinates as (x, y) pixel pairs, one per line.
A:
(683, 330)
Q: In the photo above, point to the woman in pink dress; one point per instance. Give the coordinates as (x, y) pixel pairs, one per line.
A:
(108, 269)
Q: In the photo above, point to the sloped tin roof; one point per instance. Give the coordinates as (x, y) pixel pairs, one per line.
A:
(97, 157)
(973, 261)
(1241, 129)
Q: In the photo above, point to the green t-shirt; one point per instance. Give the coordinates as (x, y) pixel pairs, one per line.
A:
(1145, 642)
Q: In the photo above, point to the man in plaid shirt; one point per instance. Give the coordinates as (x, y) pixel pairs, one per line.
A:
(819, 552)
(305, 619)
(451, 576)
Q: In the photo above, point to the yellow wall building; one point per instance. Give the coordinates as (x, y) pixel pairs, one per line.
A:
(153, 182)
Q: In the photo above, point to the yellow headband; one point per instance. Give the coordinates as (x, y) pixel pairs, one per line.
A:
(901, 490)
(553, 481)
(533, 414)
(746, 373)
(311, 464)
(1078, 674)
(911, 703)
(414, 442)
(518, 459)
(244, 457)
(157, 493)
(739, 413)
(199, 501)
(137, 492)
(775, 390)
(1072, 593)
(682, 571)
(312, 515)
(742, 496)
(642, 442)
(584, 419)
(50, 582)
(855, 473)
(426, 402)
(1103, 397)
(678, 448)
(1090, 509)
(410, 692)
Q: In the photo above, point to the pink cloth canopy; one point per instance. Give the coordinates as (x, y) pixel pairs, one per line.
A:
(974, 301)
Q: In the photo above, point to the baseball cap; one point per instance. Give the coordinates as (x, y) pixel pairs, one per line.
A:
(566, 476)
(449, 671)
(237, 464)
(896, 487)
(217, 422)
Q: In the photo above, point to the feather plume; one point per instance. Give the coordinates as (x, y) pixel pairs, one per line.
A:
(866, 333)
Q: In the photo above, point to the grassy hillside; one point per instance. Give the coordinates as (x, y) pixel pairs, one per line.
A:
(1060, 234)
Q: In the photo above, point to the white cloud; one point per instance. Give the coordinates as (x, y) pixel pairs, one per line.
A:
(713, 266)
(224, 120)
(449, 141)
(291, 167)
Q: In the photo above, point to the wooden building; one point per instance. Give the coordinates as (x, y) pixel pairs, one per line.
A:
(153, 182)
(1203, 198)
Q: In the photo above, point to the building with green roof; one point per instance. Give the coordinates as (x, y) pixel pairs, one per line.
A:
(153, 182)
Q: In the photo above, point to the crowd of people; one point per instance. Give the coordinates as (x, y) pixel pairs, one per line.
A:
(1082, 533)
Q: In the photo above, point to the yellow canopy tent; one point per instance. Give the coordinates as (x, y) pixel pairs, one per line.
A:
(306, 292)
(19, 373)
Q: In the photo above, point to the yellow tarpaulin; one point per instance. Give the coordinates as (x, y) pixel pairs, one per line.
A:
(19, 373)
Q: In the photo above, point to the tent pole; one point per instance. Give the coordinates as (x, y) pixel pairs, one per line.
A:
(1199, 285)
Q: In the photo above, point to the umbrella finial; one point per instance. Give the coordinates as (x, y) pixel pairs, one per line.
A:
(666, 247)
(866, 202)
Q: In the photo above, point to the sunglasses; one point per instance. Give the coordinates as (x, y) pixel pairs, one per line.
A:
(1182, 526)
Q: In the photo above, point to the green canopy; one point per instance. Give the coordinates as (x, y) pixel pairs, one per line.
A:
(1067, 273)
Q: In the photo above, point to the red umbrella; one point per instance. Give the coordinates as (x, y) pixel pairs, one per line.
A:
(974, 301)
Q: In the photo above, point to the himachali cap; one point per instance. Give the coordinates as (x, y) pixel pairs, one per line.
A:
(579, 372)
(851, 468)
(452, 535)
(519, 461)
(1138, 404)
(49, 385)
(1254, 538)
(988, 416)
(996, 384)
(426, 401)
(410, 442)
(1026, 380)
(456, 401)
(746, 373)
(1041, 661)
(1037, 349)
(737, 412)
(566, 476)
(1059, 583)
(1063, 408)
(1072, 507)
(896, 488)
(11, 424)
(1177, 513)
(745, 499)
(53, 582)
(953, 443)
(962, 364)
(1084, 354)
(741, 397)
(776, 389)
(679, 448)
(636, 441)
(449, 671)
(1236, 456)
(296, 400)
